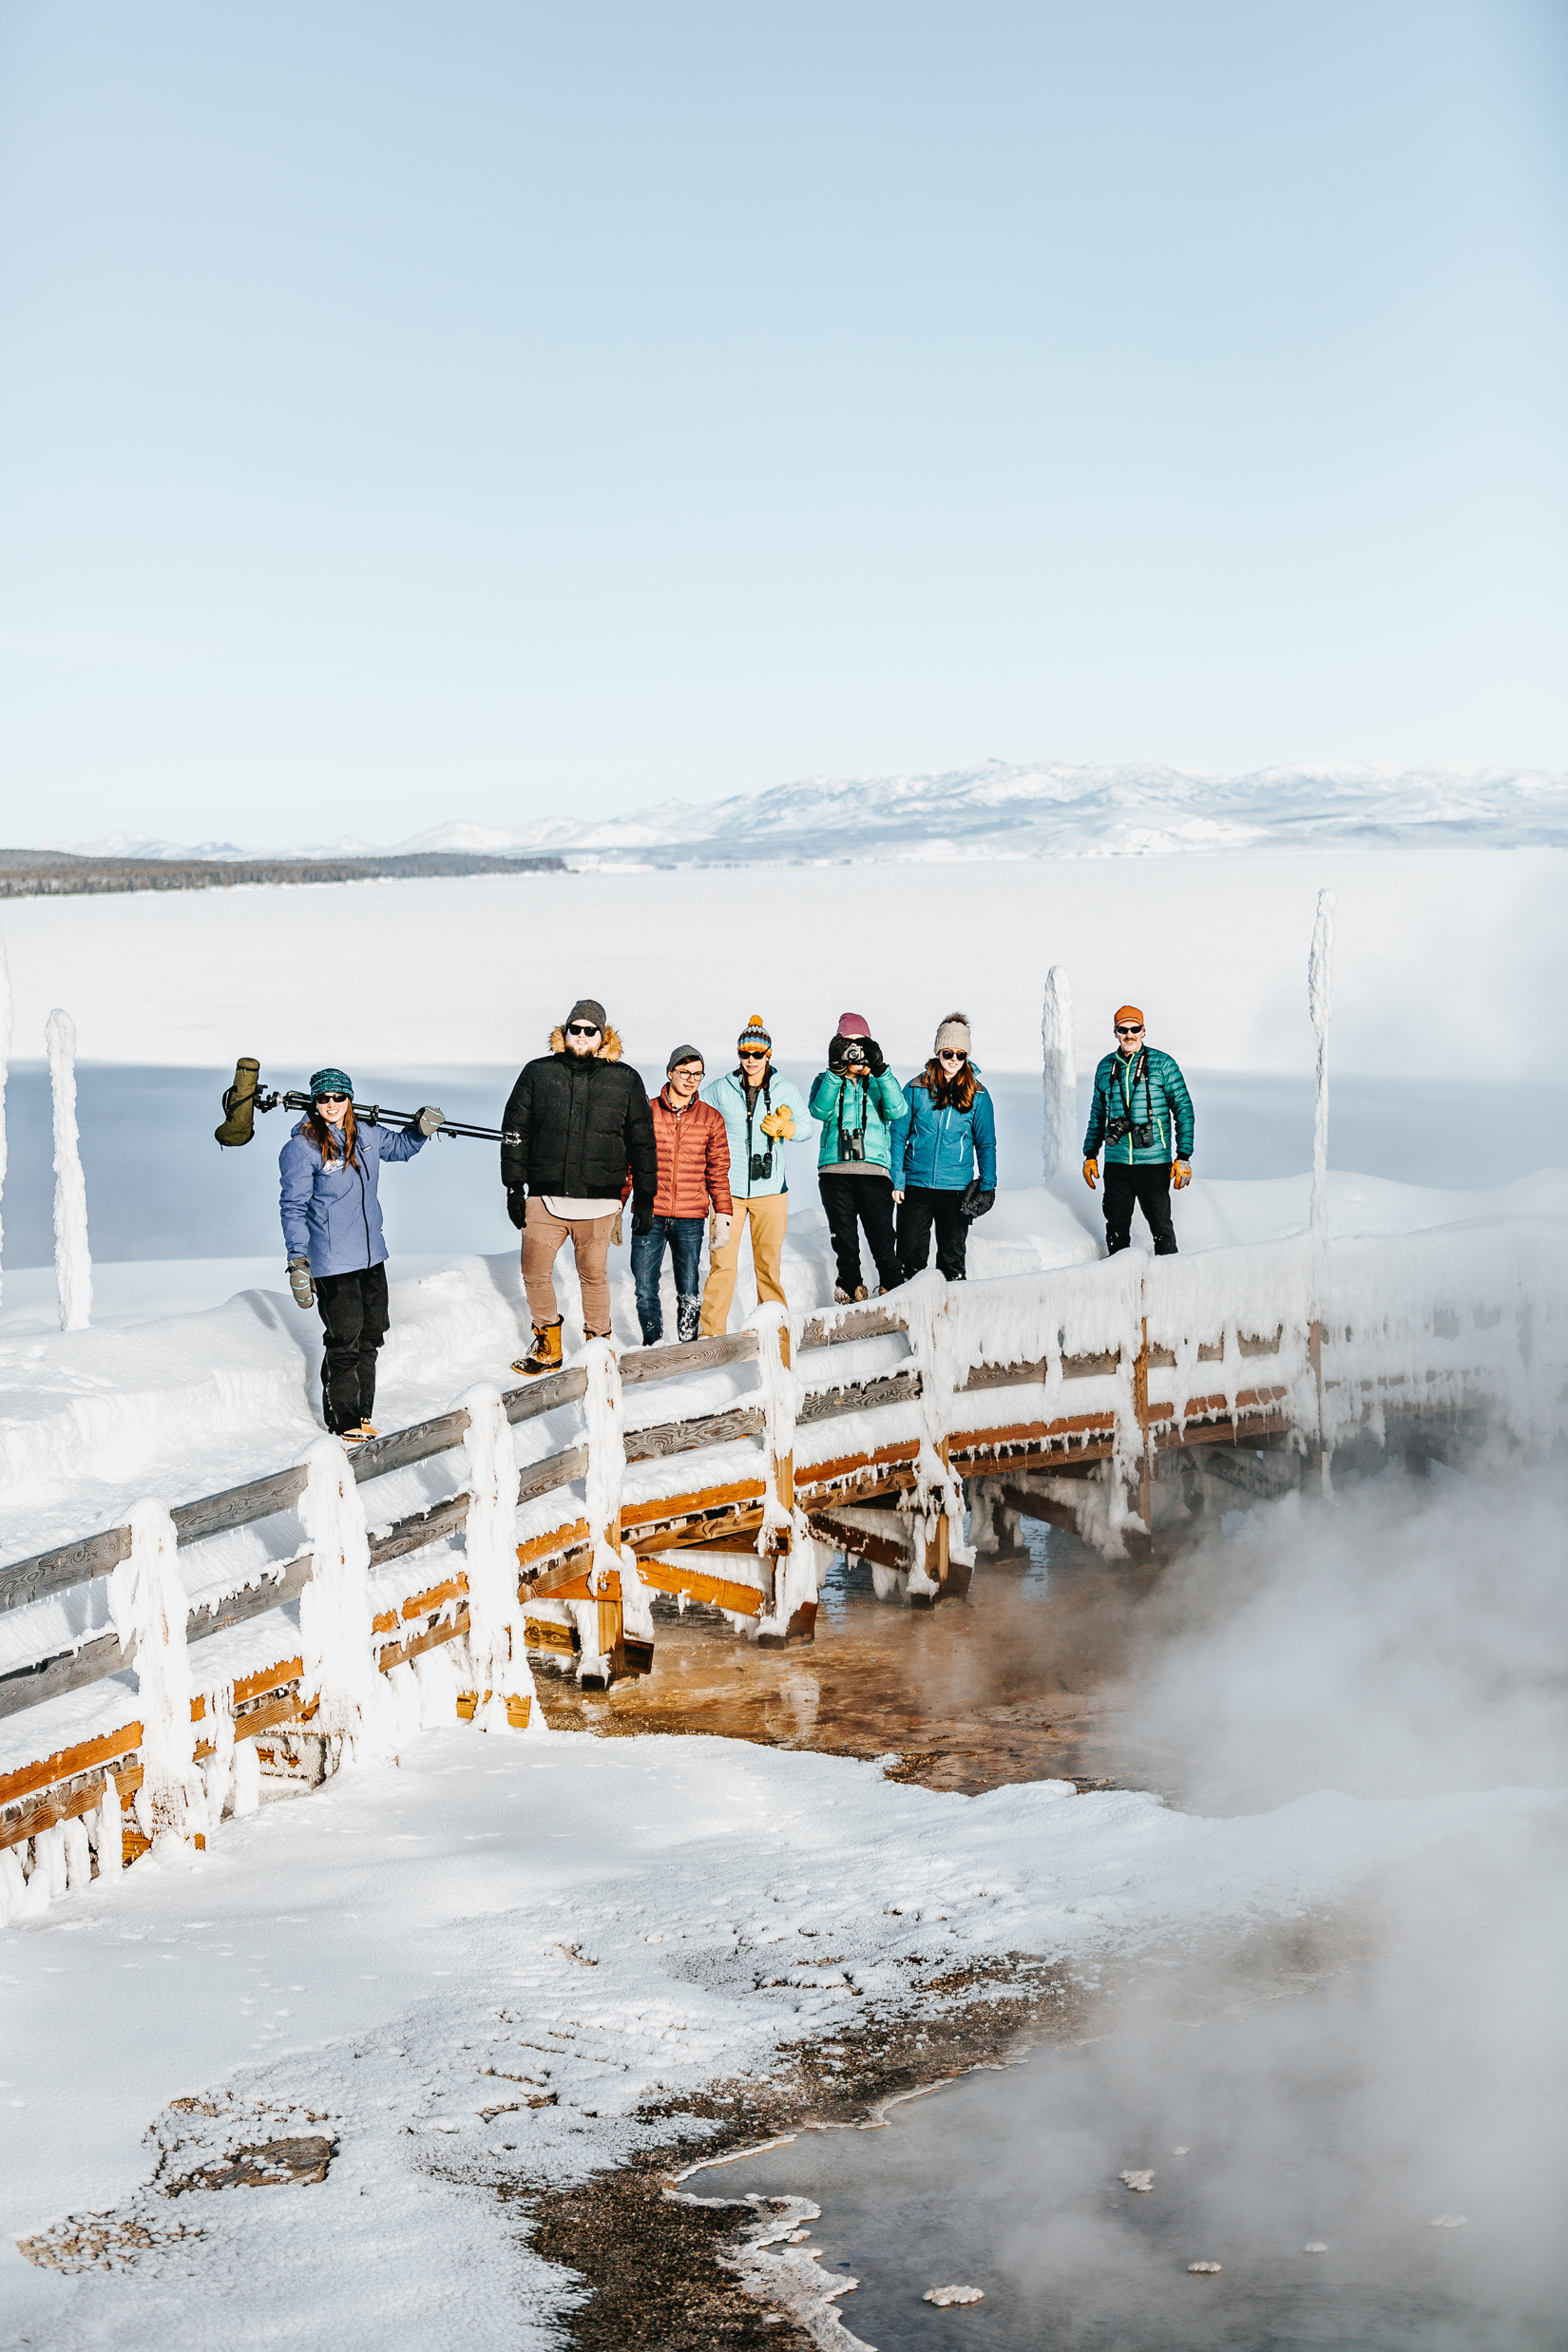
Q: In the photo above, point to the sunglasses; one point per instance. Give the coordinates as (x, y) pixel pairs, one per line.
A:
(582, 1028)
(752, 1053)
(948, 1055)
(1123, 1029)
(332, 1097)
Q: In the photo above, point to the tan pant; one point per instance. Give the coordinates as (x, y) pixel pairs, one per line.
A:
(766, 1216)
(542, 1235)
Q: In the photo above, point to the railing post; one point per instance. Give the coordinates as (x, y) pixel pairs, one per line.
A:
(782, 1537)
(148, 1603)
(1140, 1408)
(503, 1690)
(603, 1616)
(337, 1622)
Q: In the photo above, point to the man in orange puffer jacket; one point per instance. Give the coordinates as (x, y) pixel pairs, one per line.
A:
(694, 1170)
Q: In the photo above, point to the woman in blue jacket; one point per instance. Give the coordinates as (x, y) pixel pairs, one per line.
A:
(330, 1168)
(944, 1156)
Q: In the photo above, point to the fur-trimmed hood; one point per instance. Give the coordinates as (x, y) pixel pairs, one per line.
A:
(607, 1050)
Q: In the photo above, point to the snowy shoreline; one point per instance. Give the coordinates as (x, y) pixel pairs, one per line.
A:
(368, 1956)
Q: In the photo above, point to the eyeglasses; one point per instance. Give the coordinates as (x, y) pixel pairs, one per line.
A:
(332, 1097)
(688, 1069)
(948, 1055)
(1126, 1029)
(582, 1028)
(753, 1053)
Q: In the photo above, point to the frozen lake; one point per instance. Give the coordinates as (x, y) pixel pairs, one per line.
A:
(159, 1186)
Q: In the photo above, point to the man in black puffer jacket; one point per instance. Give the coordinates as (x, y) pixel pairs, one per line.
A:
(581, 1119)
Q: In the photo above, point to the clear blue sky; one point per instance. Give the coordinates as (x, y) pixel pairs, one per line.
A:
(494, 409)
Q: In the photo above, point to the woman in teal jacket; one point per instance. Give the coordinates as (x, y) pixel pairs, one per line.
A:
(944, 1156)
(858, 1100)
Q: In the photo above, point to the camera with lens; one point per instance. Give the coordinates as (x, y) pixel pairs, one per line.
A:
(854, 1055)
(1142, 1132)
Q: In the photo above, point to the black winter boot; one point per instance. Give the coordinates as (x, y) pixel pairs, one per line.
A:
(686, 1313)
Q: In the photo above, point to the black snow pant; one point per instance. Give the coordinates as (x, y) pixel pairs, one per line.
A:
(1147, 1188)
(921, 1205)
(870, 1198)
(354, 1311)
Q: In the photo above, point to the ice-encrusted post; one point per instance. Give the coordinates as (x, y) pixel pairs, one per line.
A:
(503, 1684)
(1059, 1075)
(336, 1617)
(927, 1309)
(620, 1599)
(783, 1536)
(5, 1070)
(148, 1604)
(72, 1258)
(1319, 997)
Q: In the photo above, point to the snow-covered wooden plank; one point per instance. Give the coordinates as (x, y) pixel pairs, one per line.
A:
(692, 1355)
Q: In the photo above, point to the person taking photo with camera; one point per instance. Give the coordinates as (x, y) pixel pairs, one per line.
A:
(857, 1098)
(761, 1113)
(1142, 1114)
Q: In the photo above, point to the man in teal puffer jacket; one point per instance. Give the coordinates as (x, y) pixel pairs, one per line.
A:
(1143, 1114)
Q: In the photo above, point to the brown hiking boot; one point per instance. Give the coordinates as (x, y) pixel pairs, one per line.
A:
(544, 1355)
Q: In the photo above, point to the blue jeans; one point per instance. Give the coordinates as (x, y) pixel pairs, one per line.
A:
(684, 1236)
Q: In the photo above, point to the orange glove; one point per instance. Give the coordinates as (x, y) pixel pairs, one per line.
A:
(1181, 1174)
(1091, 1172)
(780, 1123)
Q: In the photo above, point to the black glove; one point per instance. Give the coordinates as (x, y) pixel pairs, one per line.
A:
(977, 1199)
(643, 1216)
(835, 1054)
(517, 1203)
(877, 1060)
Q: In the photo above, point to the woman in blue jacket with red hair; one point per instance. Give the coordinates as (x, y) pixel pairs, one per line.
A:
(944, 1156)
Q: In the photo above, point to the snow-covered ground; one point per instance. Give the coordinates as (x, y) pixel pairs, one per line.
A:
(404, 1961)
(355, 1961)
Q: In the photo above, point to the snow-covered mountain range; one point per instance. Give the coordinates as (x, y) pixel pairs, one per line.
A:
(1001, 812)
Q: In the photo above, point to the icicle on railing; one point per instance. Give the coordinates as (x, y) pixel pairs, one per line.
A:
(503, 1685)
(72, 1258)
(5, 1072)
(148, 1605)
(1059, 1076)
(1319, 997)
(337, 1615)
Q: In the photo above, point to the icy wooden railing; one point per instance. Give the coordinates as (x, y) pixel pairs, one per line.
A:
(1407, 1343)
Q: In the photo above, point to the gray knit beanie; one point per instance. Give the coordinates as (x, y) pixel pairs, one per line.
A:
(683, 1053)
(588, 1009)
(955, 1034)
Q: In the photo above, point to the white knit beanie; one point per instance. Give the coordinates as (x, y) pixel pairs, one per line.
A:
(954, 1033)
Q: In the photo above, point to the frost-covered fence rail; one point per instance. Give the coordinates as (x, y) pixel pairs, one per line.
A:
(1077, 1395)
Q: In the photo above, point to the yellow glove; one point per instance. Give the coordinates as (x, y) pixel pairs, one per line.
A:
(1091, 1172)
(780, 1123)
(1180, 1175)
